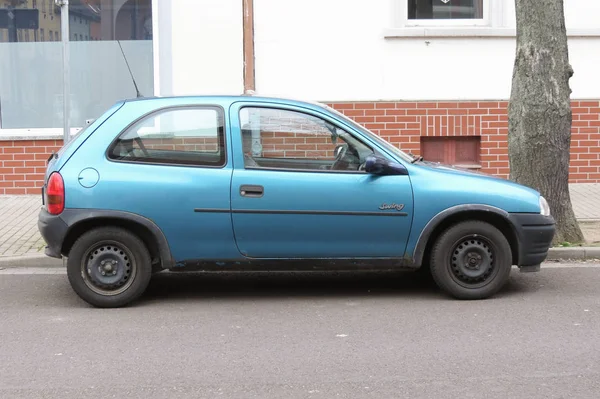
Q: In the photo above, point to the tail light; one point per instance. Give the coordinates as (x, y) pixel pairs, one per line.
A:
(55, 193)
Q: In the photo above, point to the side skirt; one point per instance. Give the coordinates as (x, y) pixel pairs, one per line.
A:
(377, 264)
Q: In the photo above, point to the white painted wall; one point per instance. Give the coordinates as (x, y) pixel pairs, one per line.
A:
(336, 50)
(206, 47)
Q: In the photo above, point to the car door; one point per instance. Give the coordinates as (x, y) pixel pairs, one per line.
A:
(299, 191)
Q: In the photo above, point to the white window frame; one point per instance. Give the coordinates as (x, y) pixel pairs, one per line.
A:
(492, 24)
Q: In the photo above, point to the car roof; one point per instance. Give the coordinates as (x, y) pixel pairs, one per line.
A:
(232, 98)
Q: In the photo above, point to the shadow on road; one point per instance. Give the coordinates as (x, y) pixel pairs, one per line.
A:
(170, 286)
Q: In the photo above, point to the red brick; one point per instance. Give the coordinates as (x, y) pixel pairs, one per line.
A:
(7, 183)
(588, 143)
(354, 112)
(15, 191)
(589, 117)
(364, 105)
(14, 150)
(364, 119)
(478, 111)
(594, 162)
(445, 104)
(578, 176)
(488, 104)
(396, 125)
(406, 105)
(6, 157)
(580, 110)
(342, 106)
(311, 147)
(458, 111)
(32, 191)
(395, 112)
(399, 139)
(385, 105)
(594, 123)
(385, 118)
(14, 164)
(374, 112)
(588, 156)
(437, 112)
(588, 103)
(34, 176)
(468, 105)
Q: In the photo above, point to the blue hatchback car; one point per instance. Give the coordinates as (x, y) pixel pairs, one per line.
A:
(254, 183)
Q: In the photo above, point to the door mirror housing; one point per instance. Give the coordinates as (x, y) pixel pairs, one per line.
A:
(378, 165)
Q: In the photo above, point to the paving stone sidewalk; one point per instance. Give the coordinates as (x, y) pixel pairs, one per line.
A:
(19, 234)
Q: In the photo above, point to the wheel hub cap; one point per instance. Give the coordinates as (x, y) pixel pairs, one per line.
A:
(472, 260)
(108, 269)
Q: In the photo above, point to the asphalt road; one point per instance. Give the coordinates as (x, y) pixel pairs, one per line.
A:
(304, 336)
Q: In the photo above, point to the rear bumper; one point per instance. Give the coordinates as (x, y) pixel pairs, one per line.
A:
(53, 230)
(535, 233)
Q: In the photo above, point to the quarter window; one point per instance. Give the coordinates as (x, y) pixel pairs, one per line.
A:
(283, 139)
(188, 136)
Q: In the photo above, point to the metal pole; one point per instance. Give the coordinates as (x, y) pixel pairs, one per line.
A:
(64, 27)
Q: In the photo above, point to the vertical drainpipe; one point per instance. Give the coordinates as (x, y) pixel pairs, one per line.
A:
(248, 24)
(249, 75)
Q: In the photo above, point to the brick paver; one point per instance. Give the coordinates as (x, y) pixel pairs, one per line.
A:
(19, 234)
(585, 198)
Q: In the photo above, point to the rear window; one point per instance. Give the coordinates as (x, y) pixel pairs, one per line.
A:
(178, 136)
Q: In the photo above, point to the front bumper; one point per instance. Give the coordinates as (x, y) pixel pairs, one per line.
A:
(535, 233)
(53, 230)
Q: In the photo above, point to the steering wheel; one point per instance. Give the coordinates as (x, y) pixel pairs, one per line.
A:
(340, 153)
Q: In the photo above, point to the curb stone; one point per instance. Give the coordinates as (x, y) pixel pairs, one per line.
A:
(573, 253)
(29, 261)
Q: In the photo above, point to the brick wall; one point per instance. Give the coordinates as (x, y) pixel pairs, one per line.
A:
(404, 123)
(22, 163)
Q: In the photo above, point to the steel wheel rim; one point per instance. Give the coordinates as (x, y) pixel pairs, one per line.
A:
(108, 268)
(472, 261)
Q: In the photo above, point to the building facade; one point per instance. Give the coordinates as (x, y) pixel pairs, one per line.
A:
(431, 76)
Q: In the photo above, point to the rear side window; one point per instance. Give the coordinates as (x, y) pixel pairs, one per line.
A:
(179, 136)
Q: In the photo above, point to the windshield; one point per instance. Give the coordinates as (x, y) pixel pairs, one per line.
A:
(388, 146)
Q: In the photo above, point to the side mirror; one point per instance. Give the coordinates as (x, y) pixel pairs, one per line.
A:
(378, 165)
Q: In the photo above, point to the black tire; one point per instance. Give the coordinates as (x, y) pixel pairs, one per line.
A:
(471, 260)
(109, 267)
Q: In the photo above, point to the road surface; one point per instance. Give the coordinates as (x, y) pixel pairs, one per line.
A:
(303, 336)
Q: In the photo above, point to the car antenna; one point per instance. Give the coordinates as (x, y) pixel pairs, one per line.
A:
(139, 95)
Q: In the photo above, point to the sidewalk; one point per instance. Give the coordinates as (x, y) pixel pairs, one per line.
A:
(19, 235)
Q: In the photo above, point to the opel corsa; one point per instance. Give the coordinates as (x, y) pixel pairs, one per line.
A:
(253, 183)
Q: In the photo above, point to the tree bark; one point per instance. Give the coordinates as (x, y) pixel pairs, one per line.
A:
(539, 111)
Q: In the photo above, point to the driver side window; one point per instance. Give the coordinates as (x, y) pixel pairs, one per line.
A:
(283, 139)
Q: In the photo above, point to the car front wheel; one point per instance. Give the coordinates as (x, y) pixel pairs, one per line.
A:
(471, 260)
(109, 267)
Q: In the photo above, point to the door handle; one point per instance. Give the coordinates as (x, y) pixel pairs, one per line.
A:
(248, 190)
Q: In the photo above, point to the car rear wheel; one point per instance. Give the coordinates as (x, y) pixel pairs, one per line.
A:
(109, 267)
(471, 260)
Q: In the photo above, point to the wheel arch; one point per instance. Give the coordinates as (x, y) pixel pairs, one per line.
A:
(81, 221)
(497, 217)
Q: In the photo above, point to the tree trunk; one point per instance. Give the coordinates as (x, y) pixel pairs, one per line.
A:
(539, 112)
